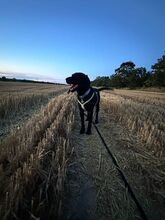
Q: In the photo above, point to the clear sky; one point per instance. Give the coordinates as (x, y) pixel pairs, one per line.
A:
(51, 39)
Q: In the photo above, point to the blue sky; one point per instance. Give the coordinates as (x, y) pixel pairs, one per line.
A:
(51, 39)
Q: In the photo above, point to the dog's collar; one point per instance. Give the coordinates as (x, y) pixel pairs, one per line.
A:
(85, 94)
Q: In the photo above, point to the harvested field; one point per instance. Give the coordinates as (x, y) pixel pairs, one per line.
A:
(33, 163)
(19, 100)
(142, 113)
(49, 171)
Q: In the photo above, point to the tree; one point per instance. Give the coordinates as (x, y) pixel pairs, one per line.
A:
(101, 81)
(125, 68)
(137, 77)
(129, 76)
(158, 71)
(3, 78)
(123, 73)
(116, 81)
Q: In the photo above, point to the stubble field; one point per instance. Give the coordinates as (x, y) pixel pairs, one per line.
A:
(48, 170)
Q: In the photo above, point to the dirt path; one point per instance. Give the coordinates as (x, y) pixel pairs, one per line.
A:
(95, 188)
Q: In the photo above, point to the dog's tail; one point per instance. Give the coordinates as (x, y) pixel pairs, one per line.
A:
(104, 88)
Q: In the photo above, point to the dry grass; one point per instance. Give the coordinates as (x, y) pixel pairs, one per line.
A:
(141, 152)
(142, 113)
(33, 163)
(18, 101)
(152, 98)
(16, 97)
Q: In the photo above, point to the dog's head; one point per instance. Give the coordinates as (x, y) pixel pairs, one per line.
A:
(78, 82)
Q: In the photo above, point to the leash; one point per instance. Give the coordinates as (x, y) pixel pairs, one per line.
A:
(132, 194)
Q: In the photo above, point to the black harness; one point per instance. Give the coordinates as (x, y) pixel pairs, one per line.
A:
(90, 98)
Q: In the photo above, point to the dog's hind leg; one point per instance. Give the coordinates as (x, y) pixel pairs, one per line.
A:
(90, 117)
(82, 130)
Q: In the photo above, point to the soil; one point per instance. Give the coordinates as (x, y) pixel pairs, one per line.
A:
(94, 187)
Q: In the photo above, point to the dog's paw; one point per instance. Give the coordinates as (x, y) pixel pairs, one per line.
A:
(82, 131)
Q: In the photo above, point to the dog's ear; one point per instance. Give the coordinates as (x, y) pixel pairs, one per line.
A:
(87, 80)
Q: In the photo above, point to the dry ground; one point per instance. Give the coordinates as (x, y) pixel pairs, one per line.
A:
(95, 189)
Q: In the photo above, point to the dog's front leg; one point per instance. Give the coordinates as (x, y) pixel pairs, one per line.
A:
(82, 130)
(90, 117)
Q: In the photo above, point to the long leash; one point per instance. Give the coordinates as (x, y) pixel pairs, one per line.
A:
(132, 194)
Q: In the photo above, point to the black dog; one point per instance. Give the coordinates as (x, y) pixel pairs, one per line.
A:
(88, 98)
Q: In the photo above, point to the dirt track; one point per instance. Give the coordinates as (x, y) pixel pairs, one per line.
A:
(95, 189)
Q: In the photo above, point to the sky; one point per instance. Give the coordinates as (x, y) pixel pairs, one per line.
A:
(51, 39)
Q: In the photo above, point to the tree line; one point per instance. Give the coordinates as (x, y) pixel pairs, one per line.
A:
(127, 75)
(4, 78)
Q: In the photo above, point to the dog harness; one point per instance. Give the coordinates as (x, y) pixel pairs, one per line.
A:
(82, 103)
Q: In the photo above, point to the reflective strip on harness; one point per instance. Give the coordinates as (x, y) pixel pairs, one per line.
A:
(84, 103)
